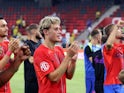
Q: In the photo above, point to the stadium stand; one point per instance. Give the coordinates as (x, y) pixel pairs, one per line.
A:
(119, 12)
(74, 14)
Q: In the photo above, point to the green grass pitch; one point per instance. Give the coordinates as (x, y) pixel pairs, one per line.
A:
(75, 85)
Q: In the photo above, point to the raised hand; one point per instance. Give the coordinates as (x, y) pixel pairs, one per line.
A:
(13, 45)
(22, 53)
(120, 23)
(73, 49)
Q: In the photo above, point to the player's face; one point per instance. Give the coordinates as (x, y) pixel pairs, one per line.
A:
(54, 33)
(99, 37)
(3, 28)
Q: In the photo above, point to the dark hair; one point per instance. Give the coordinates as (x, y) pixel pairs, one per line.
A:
(1, 17)
(94, 32)
(104, 39)
(107, 29)
(32, 26)
(106, 32)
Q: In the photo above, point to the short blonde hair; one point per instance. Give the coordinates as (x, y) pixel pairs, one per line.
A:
(47, 21)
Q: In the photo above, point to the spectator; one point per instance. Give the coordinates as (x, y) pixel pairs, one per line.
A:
(89, 23)
(98, 14)
(15, 31)
(72, 37)
(21, 22)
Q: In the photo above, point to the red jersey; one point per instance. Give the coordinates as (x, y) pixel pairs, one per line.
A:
(3, 50)
(113, 60)
(45, 61)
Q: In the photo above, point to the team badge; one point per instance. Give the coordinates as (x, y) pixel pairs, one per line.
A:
(44, 66)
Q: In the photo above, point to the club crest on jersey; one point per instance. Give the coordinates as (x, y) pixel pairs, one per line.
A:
(44, 66)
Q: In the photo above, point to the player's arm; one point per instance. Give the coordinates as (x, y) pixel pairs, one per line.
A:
(89, 53)
(71, 67)
(112, 36)
(22, 54)
(8, 73)
(14, 44)
(60, 71)
(114, 30)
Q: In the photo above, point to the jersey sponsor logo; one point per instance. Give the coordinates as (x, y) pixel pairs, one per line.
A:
(44, 66)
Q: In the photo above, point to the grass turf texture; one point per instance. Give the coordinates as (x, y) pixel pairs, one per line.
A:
(76, 85)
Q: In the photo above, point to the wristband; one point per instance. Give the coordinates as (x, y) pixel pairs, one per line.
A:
(8, 53)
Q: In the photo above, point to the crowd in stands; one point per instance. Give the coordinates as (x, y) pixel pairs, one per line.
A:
(74, 14)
